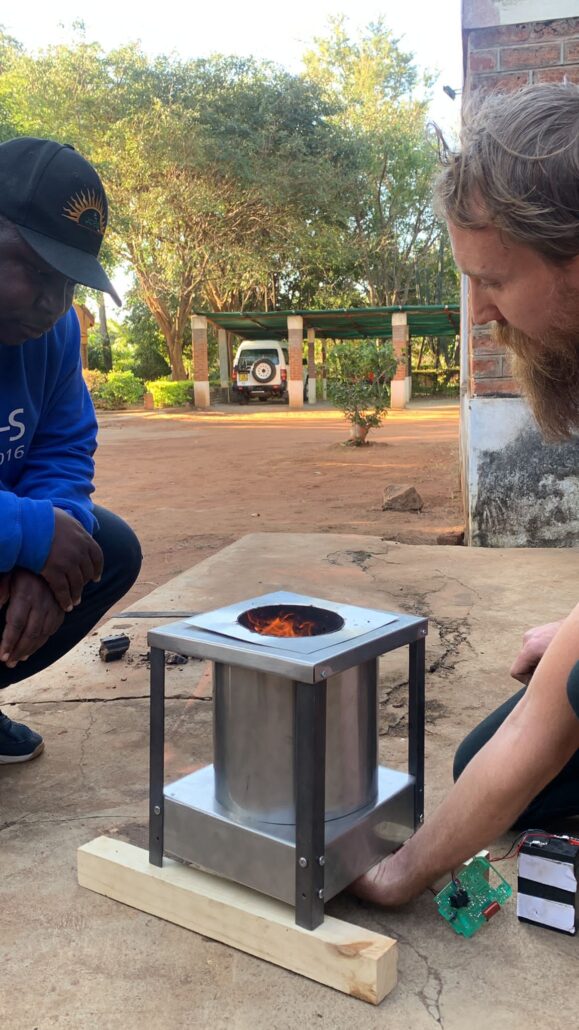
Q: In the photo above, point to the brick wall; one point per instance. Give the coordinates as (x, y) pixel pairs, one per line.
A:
(502, 58)
(400, 338)
(200, 359)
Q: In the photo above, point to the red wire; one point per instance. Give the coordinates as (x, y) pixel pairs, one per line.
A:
(527, 834)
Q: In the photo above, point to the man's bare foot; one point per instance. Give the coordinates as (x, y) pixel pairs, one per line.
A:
(386, 884)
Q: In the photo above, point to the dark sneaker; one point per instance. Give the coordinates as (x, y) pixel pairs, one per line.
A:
(17, 742)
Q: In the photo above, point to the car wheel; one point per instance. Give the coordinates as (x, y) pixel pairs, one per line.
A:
(263, 370)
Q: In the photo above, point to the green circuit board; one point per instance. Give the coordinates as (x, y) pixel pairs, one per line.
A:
(470, 900)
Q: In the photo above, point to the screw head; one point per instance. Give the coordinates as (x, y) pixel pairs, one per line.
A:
(303, 862)
(321, 860)
(157, 810)
(321, 895)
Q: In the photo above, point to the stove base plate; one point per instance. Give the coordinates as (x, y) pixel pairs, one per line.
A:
(261, 855)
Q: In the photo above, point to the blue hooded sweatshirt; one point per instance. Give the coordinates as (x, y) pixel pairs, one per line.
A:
(47, 440)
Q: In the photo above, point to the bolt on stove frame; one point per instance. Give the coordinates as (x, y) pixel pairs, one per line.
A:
(309, 675)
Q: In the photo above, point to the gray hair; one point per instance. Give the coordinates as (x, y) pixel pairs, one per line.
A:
(518, 169)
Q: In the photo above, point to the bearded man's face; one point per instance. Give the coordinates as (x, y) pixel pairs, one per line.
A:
(534, 305)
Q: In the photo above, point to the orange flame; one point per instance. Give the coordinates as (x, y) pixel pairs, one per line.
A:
(287, 624)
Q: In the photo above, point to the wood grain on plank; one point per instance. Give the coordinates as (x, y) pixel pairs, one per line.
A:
(349, 958)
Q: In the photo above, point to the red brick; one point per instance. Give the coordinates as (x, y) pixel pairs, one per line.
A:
(543, 56)
(199, 348)
(505, 387)
(571, 52)
(528, 32)
(483, 61)
(508, 363)
(564, 71)
(482, 337)
(400, 335)
(402, 359)
(487, 368)
(483, 346)
(486, 83)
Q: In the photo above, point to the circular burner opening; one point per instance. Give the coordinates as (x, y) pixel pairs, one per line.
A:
(296, 620)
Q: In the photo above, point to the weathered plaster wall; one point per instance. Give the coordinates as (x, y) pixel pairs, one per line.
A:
(522, 492)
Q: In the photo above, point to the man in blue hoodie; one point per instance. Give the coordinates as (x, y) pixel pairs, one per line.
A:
(63, 561)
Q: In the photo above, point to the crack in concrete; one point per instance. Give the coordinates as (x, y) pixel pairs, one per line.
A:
(430, 994)
(99, 700)
(454, 633)
(83, 744)
(6, 826)
(454, 579)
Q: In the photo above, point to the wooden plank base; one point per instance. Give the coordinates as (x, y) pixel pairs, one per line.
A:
(351, 959)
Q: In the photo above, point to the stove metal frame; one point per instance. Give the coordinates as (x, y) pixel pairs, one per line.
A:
(309, 671)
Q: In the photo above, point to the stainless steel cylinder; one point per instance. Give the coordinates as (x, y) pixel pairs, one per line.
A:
(254, 750)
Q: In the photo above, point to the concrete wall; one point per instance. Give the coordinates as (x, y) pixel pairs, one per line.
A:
(518, 491)
(521, 492)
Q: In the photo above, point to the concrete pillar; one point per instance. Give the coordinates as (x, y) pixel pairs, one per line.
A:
(86, 320)
(200, 362)
(295, 335)
(324, 371)
(311, 366)
(401, 385)
(224, 369)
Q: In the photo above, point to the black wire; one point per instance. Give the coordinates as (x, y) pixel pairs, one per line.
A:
(521, 836)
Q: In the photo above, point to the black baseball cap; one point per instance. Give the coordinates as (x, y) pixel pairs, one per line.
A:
(57, 202)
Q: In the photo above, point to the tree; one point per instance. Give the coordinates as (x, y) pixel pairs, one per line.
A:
(214, 169)
(359, 375)
(392, 228)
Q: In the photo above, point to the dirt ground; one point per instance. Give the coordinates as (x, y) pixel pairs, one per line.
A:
(192, 482)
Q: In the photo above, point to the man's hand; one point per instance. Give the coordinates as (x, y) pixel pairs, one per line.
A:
(535, 643)
(4, 588)
(32, 616)
(74, 559)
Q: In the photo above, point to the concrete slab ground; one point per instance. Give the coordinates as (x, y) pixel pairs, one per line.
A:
(73, 960)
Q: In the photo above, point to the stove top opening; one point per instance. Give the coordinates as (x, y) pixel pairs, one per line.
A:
(278, 620)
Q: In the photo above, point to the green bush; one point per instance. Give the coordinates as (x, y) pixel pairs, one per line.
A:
(171, 393)
(359, 377)
(121, 390)
(436, 382)
(94, 379)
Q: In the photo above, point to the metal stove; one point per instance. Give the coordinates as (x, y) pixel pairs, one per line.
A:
(295, 804)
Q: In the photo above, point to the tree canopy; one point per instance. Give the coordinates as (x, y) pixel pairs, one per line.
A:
(234, 184)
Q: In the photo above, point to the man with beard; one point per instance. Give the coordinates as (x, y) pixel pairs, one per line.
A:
(63, 561)
(511, 201)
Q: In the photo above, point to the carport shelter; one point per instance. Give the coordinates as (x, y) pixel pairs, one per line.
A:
(398, 323)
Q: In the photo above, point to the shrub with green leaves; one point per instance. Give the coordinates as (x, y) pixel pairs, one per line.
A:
(94, 379)
(121, 390)
(359, 377)
(171, 393)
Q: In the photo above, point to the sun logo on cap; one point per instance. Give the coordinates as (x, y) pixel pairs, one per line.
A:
(88, 209)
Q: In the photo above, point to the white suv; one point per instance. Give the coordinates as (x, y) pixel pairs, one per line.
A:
(261, 369)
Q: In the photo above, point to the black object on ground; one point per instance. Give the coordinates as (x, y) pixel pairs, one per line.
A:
(113, 648)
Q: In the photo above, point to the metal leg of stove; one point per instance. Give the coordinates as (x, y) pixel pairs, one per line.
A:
(156, 755)
(416, 703)
(310, 753)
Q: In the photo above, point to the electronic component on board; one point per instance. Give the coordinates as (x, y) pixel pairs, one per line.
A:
(469, 900)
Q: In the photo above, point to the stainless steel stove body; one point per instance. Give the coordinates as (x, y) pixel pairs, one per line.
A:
(294, 805)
